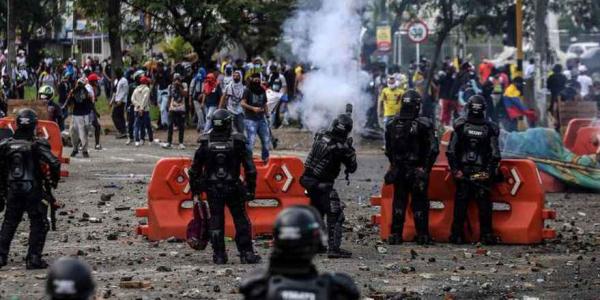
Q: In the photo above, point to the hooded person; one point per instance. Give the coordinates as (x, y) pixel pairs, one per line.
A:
(211, 95)
(231, 99)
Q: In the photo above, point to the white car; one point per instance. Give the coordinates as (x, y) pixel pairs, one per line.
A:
(578, 49)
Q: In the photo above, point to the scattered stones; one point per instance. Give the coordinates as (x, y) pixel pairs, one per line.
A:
(164, 269)
(225, 272)
(382, 250)
(134, 284)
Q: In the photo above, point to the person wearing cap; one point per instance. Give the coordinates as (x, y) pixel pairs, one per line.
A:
(141, 103)
(177, 98)
(585, 81)
(94, 91)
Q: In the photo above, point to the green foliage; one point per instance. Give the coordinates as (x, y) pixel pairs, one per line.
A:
(176, 48)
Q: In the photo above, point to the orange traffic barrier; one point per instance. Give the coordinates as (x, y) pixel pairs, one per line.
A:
(48, 130)
(444, 141)
(551, 184)
(518, 216)
(587, 141)
(572, 129)
(169, 197)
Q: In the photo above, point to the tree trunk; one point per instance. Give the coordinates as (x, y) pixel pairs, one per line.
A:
(541, 51)
(11, 37)
(114, 33)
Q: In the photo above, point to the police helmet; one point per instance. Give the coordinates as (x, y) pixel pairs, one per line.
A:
(26, 119)
(46, 92)
(342, 126)
(70, 278)
(411, 104)
(476, 107)
(298, 233)
(222, 121)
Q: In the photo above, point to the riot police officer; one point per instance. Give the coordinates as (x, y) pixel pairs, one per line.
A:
(330, 150)
(216, 171)
(411, 148)
(21, 157)
(474, 156)
(70, 279)
(298, 236)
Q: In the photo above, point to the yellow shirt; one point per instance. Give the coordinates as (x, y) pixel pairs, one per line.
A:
(392, 101)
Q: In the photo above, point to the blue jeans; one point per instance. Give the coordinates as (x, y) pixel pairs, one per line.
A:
(260, 128)
(209, 112)
(163, 99)
(141, 125)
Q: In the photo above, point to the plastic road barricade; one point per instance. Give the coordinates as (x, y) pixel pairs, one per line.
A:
(518, 216)
(169, 197)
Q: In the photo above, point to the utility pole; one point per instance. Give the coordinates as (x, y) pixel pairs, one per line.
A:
(519, 34)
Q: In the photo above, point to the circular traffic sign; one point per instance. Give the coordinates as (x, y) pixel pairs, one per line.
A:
(417, 31)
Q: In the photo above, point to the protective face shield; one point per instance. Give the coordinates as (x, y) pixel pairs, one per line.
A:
(341, 126)
(298, 233)
(222, 122)
(26, 121)
(411, 105)
(476, 108)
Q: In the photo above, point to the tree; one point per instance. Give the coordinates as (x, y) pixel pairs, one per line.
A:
(110, 15)
(211, 24)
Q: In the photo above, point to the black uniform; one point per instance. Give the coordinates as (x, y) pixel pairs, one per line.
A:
(474, 156)
(329, 151)
(21, 158)
(291, 273)
(412, 148)
(216, 171)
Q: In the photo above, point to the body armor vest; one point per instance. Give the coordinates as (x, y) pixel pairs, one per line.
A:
(320, 162)
(21, 166)
(405, 141)
(476, 145)
(282, 288)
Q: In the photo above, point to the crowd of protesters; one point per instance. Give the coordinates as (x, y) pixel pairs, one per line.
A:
(508, 92)
(183, 95)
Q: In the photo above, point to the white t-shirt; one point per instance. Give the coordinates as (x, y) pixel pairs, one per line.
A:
(585, 82)
(122, 90)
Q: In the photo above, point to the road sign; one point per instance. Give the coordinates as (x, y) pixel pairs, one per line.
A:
(384, 38)
(418, 31)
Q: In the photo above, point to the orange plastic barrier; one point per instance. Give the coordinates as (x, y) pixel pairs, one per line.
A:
(518, 216)
(442, 159)
(48, 130)
(551, 184)
(587, 141)
(277, 187)
(572, 129)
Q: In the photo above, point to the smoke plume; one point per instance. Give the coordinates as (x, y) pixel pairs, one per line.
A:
(326, 35)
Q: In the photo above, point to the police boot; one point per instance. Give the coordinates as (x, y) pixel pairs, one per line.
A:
(457, 239)
(395, 239)
(339, 253)
(335, 240)
(217, 240)
(249, 258)
(3, 260)
(422, 226)
(35, 262)
(322, 249)
(489, 239)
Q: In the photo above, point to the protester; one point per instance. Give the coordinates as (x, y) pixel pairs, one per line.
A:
(64, 87)
(449, 106)
(82, 107)
(196, 86)
(231, 99)
(177, 97)
(210, 97)
(118, 101)
(94, 91)
(161, 79)
(585, 81)
(390, 100)
(254, 102)
(141, 103)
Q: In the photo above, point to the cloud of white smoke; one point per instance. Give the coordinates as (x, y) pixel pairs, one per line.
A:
(326, 34)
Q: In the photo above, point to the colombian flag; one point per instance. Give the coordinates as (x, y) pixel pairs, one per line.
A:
(513, 105)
